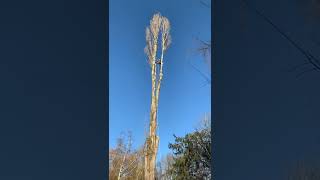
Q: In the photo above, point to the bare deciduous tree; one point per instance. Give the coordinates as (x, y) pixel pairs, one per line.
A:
(166, 164)
(159, 25)
(124, 162)
(204, 49)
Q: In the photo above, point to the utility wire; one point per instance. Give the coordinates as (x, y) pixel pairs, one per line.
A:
(311, 59)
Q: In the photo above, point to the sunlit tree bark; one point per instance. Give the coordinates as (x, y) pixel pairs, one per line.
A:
(159, 26)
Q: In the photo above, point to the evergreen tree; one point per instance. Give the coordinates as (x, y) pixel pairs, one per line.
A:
(192, 155)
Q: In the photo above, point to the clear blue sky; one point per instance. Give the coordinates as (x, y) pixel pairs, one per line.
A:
(183, 98)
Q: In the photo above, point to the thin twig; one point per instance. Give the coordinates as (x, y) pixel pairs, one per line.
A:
(207, 5)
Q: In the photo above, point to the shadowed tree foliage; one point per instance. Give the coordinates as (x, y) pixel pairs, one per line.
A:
(159, 26)
(192, 154)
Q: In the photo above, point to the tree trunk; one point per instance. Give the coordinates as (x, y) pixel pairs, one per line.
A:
(153, 140)
(151, 145)
(157, 24)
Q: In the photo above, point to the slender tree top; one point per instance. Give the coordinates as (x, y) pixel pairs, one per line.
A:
(158, 25)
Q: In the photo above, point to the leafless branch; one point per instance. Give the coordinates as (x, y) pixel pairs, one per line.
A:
(205, 4)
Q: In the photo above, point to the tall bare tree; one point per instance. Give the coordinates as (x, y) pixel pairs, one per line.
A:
(159, 26)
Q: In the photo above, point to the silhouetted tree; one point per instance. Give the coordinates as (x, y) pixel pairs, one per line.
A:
(304, 171)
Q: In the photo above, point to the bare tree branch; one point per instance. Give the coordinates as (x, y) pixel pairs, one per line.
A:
(206, 4)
